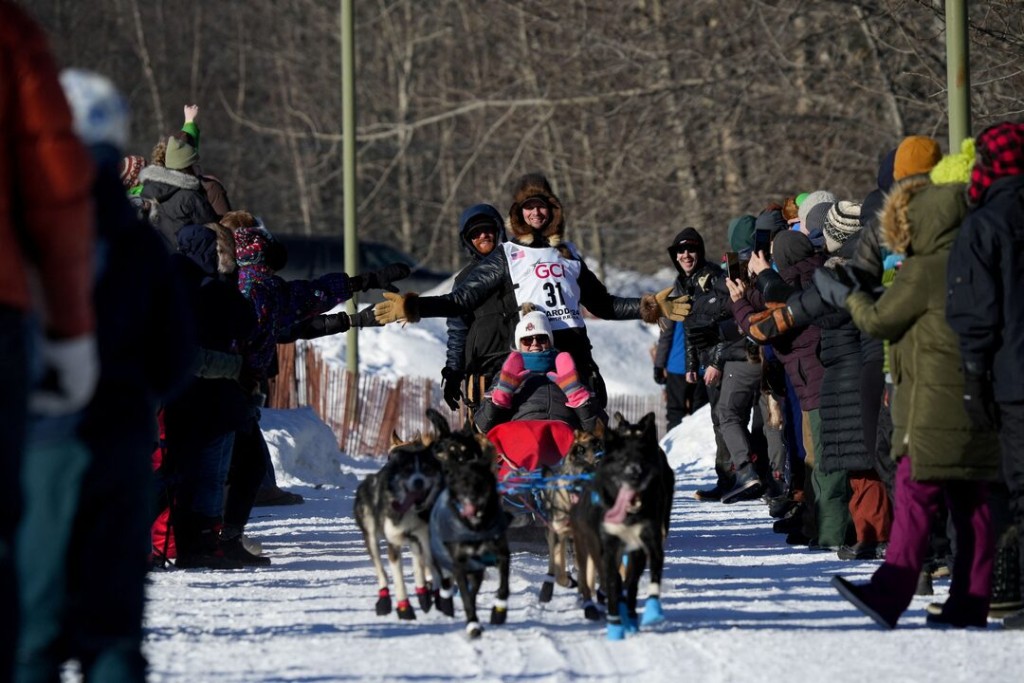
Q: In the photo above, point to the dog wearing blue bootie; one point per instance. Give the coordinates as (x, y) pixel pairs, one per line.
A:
(620, 525)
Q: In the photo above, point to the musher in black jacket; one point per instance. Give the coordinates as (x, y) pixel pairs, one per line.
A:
(541, 268)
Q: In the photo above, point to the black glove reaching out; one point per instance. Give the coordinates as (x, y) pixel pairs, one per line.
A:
(451, 384)
(325, 325)
(381, 278)
(364, 318)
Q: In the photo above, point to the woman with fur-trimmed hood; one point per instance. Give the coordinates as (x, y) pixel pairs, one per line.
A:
(538, 265)
(940, 455)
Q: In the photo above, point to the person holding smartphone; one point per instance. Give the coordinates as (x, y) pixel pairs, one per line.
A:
(724, 364)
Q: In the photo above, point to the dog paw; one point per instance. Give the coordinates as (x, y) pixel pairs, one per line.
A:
(425, 598)
(499, 613)
(629, 621)
(592, 613)
(405, 611)
(547, 589)
(445, 604)
(653, 613)
(383, 605)
(474, 629)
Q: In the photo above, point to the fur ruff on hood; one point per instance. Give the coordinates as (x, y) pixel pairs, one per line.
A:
(921, 217)
(226, 263)
(895, 220)
(167, 176)
(529, 186)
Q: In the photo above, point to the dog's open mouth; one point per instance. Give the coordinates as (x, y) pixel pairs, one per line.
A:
(411, 499)
(467, 509)
(626, 501)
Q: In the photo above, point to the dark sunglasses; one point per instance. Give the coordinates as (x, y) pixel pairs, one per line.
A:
(686, 246)
(476, 232)
(532, 339)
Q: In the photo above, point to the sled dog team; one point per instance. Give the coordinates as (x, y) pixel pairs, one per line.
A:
(439, 495)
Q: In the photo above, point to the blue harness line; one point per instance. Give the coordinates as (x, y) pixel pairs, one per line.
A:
(523, 488)
(534, 481)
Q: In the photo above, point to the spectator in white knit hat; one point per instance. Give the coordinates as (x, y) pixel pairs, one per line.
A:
(841, 221)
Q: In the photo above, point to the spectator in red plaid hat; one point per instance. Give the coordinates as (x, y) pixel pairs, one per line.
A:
(985, 278)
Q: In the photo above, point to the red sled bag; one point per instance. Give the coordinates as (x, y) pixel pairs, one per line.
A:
(162, 533)
(528, 445)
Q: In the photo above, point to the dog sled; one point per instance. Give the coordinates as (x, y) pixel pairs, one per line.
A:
(529, 458)
(542, 466)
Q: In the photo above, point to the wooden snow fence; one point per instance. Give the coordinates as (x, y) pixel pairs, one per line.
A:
(363, 414)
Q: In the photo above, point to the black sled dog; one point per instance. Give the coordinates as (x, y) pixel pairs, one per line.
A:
(395, 504)
(460, 446)
(468, 535)
(620, 525)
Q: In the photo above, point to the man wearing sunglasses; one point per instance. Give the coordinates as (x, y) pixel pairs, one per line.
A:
(707, 350)
(478, 341)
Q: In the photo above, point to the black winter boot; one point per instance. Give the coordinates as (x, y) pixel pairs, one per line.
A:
(709, 495)
(747, 487)
(1006, 596)
(234, 549)
(198, 543)
(1014, 621)
(793, 520)
(775, 487)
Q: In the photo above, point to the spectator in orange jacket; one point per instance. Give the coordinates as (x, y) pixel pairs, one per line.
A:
(46, 235)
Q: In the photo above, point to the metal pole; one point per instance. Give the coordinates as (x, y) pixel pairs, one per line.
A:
(958, 73)
(348, 130)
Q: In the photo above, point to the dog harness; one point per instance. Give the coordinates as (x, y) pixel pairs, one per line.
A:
(447, 527)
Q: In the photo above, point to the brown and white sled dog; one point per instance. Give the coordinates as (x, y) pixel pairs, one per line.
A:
(559, 498)
(395, 504)
(620, 525)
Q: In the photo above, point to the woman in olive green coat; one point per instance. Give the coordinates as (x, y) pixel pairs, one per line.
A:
(940, 456)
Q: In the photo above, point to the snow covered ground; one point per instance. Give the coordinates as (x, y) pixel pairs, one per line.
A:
(741, 605)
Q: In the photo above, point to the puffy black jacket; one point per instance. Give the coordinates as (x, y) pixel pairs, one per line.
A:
(985, 279)
(537, 399)
(842, 433)
(479, 342)
(176, 199)
(146, 331)
(210, 407)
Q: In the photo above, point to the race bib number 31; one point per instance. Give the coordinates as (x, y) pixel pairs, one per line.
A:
(549, 281)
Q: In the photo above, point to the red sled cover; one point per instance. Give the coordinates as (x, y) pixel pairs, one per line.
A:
(529, 444)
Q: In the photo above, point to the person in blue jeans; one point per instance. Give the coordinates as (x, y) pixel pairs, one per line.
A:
(201, 423)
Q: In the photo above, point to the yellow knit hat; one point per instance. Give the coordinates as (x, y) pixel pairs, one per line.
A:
(955, 168)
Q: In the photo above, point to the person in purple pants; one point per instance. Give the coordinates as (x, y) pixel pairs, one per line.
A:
(941, 454)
